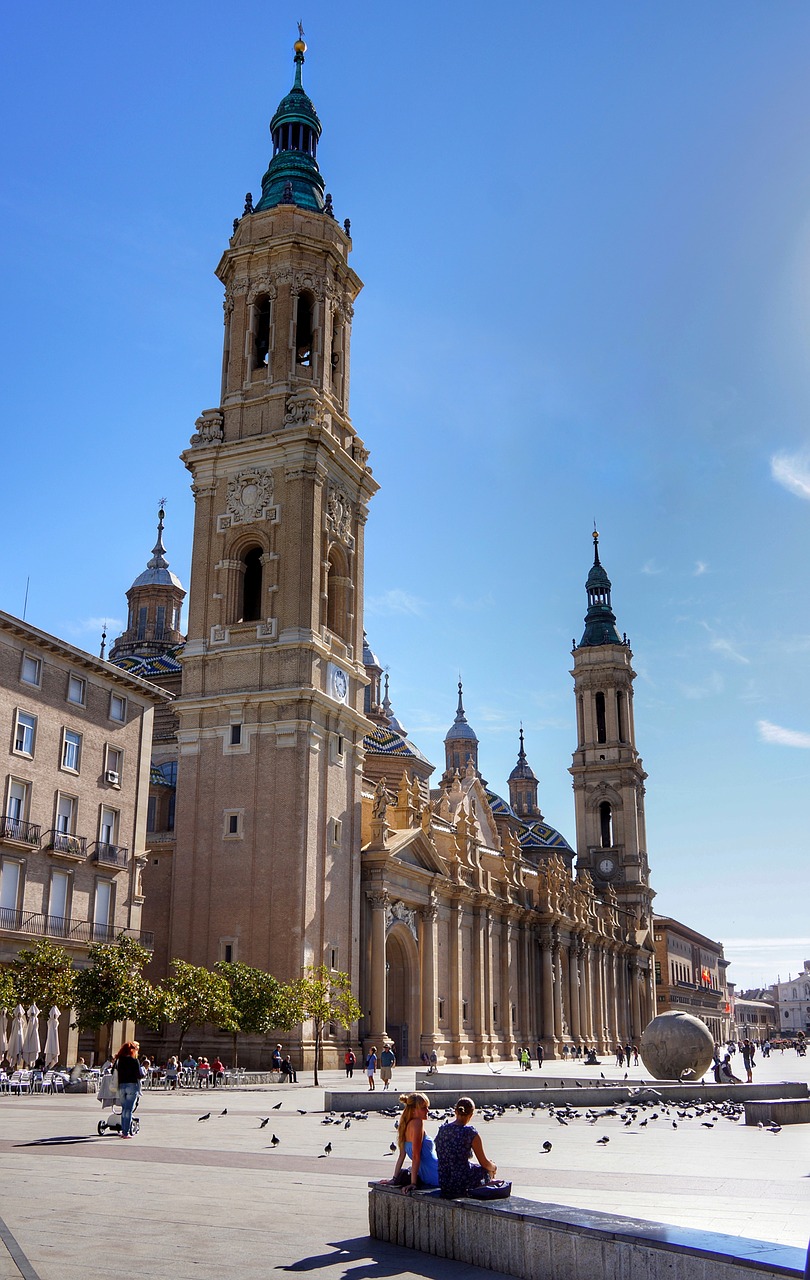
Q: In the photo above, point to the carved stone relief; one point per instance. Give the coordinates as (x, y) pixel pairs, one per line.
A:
(398, 913)
(250, 498)
(339, 515)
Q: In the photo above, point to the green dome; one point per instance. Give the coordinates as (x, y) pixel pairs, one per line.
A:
(600, 620)
(293, 176)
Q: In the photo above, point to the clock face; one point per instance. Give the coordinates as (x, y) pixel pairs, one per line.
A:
(340, 684)
(606, 866)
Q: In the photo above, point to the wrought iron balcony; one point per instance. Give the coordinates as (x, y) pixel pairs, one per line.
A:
(65, 844)
(18, 831)
(112, 855)
(35, 924)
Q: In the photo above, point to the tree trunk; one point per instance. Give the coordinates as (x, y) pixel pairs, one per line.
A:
(318, 1027)
(235, 1054)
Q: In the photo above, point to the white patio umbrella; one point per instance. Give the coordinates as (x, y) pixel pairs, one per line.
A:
(31, 1047)
(3, 1032)
(16, 1042)
(52, 1039)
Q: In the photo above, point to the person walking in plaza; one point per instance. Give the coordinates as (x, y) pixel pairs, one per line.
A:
(414, 1142)
(350, 1062)
(456, 1142)
(747, 1050)
(130, 1073)
(371, 1067)
(388, 1060)
(539, 1055)
(620, 1056)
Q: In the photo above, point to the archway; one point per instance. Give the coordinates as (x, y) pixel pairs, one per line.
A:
(403, 1022)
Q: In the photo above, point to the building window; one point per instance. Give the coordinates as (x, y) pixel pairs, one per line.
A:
(333, 958)
(227, 950)
(113, 767)
(160, 622)
(605, 825)
(11, 878)
(236, 735)
(17, 807)
(620, 716)
(25, 731)
(31, 670)
(118, 708)
(337, 748)
(601, 724)
(58, 899)
(441, 1009)
(71, 750)
(336, 826)
(103, 911)
(76, 690)
(151, 813)
(252, 585)
(65, 814)
(170, 813)
(108, 826)
(232, 824)
(303, 329)
(261, 319)
(464, 1010)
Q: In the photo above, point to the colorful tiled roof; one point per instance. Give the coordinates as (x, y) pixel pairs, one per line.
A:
(157, 778)
(162, 664)
(538, 835)
(499, 806)
(385, 742)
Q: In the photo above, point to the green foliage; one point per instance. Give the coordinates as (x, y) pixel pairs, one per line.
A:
(112, 988)
(194, 996)
(261, 1003)
(8, 991)
(44, 974)
(324, 996)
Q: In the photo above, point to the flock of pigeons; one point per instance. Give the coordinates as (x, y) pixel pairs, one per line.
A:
(644, 1107)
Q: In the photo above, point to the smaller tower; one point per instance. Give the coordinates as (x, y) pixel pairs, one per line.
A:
(155, 600)
(460, 744)
(523, 787)
(607, 769)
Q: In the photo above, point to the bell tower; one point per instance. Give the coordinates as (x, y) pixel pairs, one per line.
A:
(607, 769)
(271, 711)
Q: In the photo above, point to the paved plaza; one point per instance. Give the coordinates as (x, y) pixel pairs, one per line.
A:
(214, 1198)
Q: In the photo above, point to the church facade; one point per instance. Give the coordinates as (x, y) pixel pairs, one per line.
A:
(293, 822)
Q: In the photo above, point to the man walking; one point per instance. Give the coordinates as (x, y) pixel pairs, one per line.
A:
(388, 1060)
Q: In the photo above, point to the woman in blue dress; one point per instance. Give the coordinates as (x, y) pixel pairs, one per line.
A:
(456, 1142)
(414, 1142)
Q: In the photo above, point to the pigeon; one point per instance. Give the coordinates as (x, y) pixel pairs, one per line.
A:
(207, 1116)
(224, 1113)
(264, 1122)
(276, 1107)
(706, 1124)
(300, 1112)
(674, 1124)
(602, 1142)
(546, 1147)
(392, 1148)
(774, 1128)
(348, 1124)
(274, 1141)
(327, 1151)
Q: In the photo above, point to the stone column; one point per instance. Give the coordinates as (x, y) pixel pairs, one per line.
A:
(547, 961)
(478, 992)
(635, 1001)
(557, 967)
(530, 1021)
(455, 969)
(378, 902)
(507, 986)
(430, 997)
(573, 982)
(590, 994)
(599, 1003)
(582, 966)
(489, 986)
(611, 997)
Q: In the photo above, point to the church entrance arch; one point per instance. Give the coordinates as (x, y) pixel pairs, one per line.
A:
(402, 1021)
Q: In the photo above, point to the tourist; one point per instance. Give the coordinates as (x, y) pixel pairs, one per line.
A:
(203, 1072)
(525, 1060)
(371, 1066)
(725, 1075)
(388, 1060)
(539, 1055)
(434, 1062)
(766, 1049)
(288, 1071)
(172, 1073)
(635, 1055)
(620, 1056)
(414, 1142)
(349, 1062)
(217, 1071)
(456, 1141)
(275, 1058)
(747, 1050)
(130, 1073)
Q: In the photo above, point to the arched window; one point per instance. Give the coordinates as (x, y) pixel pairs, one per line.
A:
(252, 585)
(261, 340)
(606, 825)
(304, 317)
(338, 589)
(601, 725)
(620, 716)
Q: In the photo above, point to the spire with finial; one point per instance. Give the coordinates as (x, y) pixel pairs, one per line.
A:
(293, 176)
(460, 744)
(155, 601)
(103, 648)
(600, 620)
(523, 786)
(388, 711)
(159, 560)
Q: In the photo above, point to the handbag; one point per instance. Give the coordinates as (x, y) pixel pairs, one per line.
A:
(496, 1189)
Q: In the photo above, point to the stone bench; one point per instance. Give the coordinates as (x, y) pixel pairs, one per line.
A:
(777, 1111)
(539, 1241)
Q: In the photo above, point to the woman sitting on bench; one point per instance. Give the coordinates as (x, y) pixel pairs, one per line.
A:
(414, 1142)
(456, 1141)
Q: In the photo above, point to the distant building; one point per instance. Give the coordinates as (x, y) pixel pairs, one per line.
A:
(752, 1016)
(690, 976)
(75, 792)
(792, 999)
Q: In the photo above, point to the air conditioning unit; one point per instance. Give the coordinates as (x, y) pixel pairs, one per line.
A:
(112, 777)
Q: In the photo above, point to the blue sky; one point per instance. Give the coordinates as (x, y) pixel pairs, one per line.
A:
(584, 232)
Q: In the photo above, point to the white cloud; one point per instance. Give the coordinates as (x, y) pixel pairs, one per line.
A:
(708, 688)
(720, 645)
(780, 737)
(395, 601)
(792, 471)
(650, 567)
(701, 567)
(757, 962)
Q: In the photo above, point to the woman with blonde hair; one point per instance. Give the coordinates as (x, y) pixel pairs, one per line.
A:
(456, 1141)
(414, 1142)
(130, 1073)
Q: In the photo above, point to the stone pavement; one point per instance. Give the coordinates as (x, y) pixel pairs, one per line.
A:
(214, 1199)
